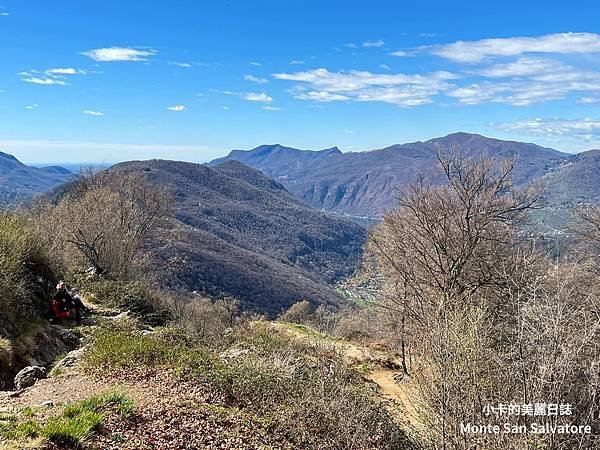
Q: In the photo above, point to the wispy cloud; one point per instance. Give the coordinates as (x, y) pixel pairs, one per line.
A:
(45, 81)
(401, 53)
(56, 76)
(250, 96)
(180, 64)
(296, 62)
(589, 100)
(120, 54)
(32, 107)
(177, 108)
(271, 108)
(321, 85)
(373, 44)
(257, 97)
(255, 63)
(65, 71)
(254, 79)
(91, 112)
(586, 128)
(558, 43)
(527, 81)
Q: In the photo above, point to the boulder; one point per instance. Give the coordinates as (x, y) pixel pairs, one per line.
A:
(68, 336)
(28, 376)
(70, 359)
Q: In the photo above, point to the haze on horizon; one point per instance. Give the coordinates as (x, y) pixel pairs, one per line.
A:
(192, 81)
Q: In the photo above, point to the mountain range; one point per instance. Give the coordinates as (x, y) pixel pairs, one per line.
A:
(366, 183)
(20, 182)
(267, 225)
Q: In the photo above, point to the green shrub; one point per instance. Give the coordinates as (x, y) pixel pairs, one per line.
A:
(120, 349)
(23, 262)
(72, 430)
(16, 430)
(76, 422)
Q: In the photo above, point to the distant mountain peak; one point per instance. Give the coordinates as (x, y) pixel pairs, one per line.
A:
(333, 150)
(19, 182)
(11, 158)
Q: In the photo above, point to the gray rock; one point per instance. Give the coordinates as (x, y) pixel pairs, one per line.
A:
(68, 336)
(28, 376)
(70, 359)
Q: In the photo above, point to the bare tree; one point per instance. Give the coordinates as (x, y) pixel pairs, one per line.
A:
(107, 216)
(452, 253)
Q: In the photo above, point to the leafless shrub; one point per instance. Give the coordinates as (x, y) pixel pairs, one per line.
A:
(203, 317)
(104, 220)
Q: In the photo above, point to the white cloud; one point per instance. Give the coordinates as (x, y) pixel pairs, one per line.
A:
(177, 108)
(91, 112)
(401, 53)
(271, 108)
(225, 108)
(522, 67)
(119, 54)
(384, 67)
(373, 44)
(180, 64)
(31, 107)
(588, 100)
(586, 128)
(64, 71)
(351, 45)
(529, 81)
(255, 63)
(250, 96)
(400, 89)
(294, 62)
(559, 43)
(254, 79)
(57, 76)
(45, 81)
(257, 97)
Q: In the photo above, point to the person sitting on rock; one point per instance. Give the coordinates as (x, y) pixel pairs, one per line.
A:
(74, 293)
(69, 302)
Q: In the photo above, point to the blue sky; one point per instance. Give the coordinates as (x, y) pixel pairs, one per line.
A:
(91, 81)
